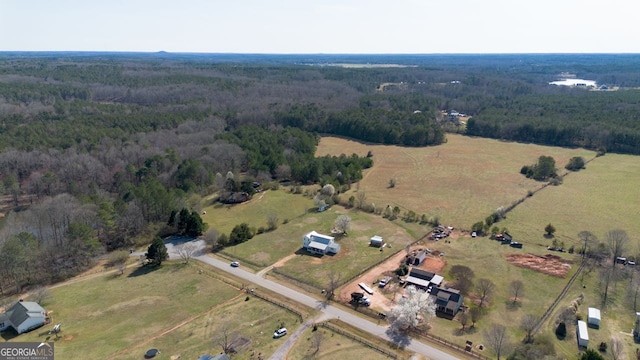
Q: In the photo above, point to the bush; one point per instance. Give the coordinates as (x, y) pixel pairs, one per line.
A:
(402, 270)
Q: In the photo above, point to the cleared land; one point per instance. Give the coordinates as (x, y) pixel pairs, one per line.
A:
(461, 181)
(169, 308)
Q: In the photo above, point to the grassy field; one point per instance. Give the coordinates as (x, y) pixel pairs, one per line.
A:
(284, 204)
(333, 346)
(600, 198)
(119, 317)
(461, 181)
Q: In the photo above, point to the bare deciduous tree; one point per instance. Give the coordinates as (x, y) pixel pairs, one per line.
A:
(272, 221)
(528, 324)
(332, 284)
(224, 339)
(516, 287)
(343, 224)
(617, 241)
(475, 313)
(617, 348)
(211, 238)
(361, 198)
(485, 289)
(588, 241)
(463, 318)
(186, 251)
(316, 342)
(497, 338)
(118, 259)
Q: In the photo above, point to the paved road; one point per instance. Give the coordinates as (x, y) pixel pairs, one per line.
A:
(329, 311)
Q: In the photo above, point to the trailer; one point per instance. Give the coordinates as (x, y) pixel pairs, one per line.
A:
(583, 334)
(366, 288)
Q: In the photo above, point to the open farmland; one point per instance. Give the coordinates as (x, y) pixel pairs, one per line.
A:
(121, 316)
(461, 181)
(602, 197)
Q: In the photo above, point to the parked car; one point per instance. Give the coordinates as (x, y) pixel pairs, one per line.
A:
(235, 264)
(280, 333)
(384, 281)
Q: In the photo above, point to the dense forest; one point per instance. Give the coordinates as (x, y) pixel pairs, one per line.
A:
(98, 150)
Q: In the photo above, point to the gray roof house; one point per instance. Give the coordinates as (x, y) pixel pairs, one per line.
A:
(447, 300)
(23, 316)
(320, 244)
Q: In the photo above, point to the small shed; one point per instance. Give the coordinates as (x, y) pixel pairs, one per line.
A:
(594, 317)
(376, 241)
(583, 334)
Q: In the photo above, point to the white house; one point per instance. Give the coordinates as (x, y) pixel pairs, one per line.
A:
(583, 334)
(320, 244)
(23, 316)
(594, 317)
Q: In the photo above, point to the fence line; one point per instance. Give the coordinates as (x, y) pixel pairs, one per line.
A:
(555, 303)
(359, 339)
(277, 303)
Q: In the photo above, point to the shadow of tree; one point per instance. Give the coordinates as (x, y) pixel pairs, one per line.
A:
(144, 269)
(399, 339)
(512, 306)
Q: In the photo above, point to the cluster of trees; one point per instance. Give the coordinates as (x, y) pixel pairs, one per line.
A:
(543, 170)
(187, 223)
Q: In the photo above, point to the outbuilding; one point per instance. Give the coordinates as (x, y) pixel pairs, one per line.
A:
(376, 241)
(583, 334)
(594, 317)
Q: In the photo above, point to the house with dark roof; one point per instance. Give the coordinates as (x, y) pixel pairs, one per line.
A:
(423, 279)
(320, 244)
(447, 300)
(23, 316)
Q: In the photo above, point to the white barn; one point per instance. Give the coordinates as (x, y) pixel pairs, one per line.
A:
(594, 317)
(583, 334)
(23, 316)
(320, 244)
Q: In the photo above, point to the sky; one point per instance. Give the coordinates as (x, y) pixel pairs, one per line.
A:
(322, 26)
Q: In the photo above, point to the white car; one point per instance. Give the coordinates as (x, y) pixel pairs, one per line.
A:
(235, 264)
(280, 333)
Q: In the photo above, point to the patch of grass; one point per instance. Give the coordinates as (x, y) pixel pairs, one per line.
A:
(461, 181)
(598, 199)
(332, 346)
(255, 320)
(254, 212)
(105, 315)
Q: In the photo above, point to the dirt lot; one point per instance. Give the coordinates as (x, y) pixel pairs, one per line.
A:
(547, 264)
(378, 299)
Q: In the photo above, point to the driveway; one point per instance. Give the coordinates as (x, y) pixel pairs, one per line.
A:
(328, 311)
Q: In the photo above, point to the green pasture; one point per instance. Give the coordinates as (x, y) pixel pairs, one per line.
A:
(600, 198)
(253, 321)
(284, 204)
(355, 253)
(332, 346)
(102, 316)
(461, 181)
